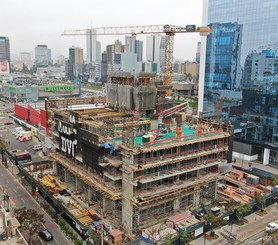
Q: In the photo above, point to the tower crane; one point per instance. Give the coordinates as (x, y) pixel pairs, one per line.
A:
(169, 30)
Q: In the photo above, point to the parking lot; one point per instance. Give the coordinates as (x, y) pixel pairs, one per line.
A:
(12, 143)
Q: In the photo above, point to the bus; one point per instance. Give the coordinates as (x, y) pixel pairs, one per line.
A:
(22, 157)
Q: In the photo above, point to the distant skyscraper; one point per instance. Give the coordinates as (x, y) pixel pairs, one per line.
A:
(75, 63)
(92, 54)
(5, 49)
(134, 46)
(42, 56)
(198, 53)
(156, 49)
(139, 50)
(130, 42)
(98, 52)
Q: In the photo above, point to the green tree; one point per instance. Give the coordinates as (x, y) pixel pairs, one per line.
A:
(30, 220)
(214, 220)
(275, 180)
(168, 240)
(96, 237)
(3, 146)
(241, 211)
(186, 237)
(260, 200)
(78, 242)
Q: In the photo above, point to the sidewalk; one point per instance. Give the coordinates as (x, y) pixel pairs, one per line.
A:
(255, 225)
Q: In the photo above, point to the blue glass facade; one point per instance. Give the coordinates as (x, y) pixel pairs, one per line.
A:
(223, 55)
(241, 58)
(259, 19)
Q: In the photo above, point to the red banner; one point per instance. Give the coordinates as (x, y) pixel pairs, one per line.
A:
(43, 118)
(34, 116)
(21, 112)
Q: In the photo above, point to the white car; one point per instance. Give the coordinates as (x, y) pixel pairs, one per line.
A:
(272, 226)
(37, 147)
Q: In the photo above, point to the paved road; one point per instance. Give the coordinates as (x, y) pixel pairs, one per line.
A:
(256, 239)
(21, 197)
(18, 194)
(249, 233)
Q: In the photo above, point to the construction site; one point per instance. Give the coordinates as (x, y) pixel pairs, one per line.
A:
(133, 166)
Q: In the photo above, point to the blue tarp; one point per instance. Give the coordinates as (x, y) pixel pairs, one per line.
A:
(108, 146)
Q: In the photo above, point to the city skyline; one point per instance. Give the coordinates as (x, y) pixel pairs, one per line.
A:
(31, 24)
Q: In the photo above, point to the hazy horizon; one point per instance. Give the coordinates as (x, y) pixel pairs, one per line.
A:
(30, 23)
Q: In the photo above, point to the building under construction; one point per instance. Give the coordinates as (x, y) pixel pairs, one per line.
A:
(144, 94)
(135, 170)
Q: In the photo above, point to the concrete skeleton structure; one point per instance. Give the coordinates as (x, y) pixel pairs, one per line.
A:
(136, 170)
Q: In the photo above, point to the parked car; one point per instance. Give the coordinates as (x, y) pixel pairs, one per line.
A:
(37, 147)
(8, 123)
(45, 235)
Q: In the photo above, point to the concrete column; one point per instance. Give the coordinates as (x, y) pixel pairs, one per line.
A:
(196, 198)
(90, 193)
(177, 205)
(107, 204)
(66, 176)
(76, 183)
(54, 167)
(266, 156)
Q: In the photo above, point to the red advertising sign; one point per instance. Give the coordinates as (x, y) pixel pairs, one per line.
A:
(4, 67)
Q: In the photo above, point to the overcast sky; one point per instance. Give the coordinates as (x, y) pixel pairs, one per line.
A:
(28, 23)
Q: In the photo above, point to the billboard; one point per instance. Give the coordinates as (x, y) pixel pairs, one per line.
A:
(56, 88)
(4, 67)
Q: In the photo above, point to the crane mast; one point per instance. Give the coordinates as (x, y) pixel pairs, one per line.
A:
(168, 30)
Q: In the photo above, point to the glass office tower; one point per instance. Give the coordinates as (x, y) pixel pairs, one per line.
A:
(241, 72)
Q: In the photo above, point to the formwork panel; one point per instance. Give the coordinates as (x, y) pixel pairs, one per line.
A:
(144, 98)
(112, 94)
(125, 96)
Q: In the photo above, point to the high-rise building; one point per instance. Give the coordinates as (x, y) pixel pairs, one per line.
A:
(75, 63)
(156, 49)
(98, 52)
(92, 47)
(5, 49)
(259, 67)
(139, 50)
(42, 56)
(241, 30)
(112, 59)
(130, 42)
(134, 46)
(223, 56)
(198, 53)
